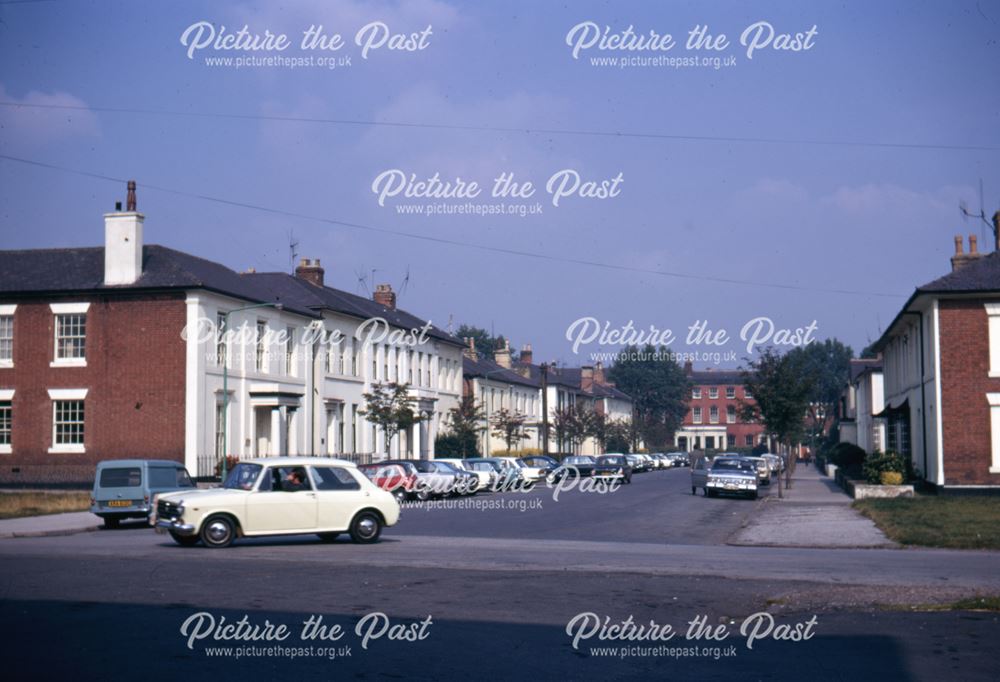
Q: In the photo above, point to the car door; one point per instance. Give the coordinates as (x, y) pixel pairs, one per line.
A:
(699, 473)
(339, 495)
(274, 508)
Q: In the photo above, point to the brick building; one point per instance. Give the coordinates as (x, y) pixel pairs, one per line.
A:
(941, 364)
(714, 419)
(95, 362)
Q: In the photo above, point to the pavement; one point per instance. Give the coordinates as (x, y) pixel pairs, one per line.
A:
(50, 524)
(814, 512)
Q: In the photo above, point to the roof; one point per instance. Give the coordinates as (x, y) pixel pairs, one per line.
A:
(75, 270)
(863, 365)
(978, 276)
(487, 369)
(298, 461)
(716, 377)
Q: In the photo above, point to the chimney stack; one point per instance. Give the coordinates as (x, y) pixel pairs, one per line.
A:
(310, 271)
(586, 378)
(501, 355)
(688, 368)
(599, 374)
(123, 242)
(960, 259)
(526, 354)
(470, 349)
(384, 295)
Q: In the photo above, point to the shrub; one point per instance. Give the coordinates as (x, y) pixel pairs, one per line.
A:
(523, 452)
(846, 455)
(878, 463)
(450, 445)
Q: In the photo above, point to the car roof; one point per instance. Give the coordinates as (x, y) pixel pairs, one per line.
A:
(139, 462)
(300, 461)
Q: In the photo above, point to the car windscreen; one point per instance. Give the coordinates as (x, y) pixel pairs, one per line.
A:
(578, 460)
(424, 466)
(614, 461)
(121, 477)
(243, 476)
(730, 465)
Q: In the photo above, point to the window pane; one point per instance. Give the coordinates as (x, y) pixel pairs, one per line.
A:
(69, 422)
(71, 332)
(6, 419)
(6, 337)
(121, 477)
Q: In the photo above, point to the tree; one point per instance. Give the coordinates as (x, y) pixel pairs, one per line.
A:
(509, 426)
(390, 407)
(572, 424)
(485, 342)
(464, 425)
(826, 367)
(780, 392)
(600, 429)
(659, 389)
(619, 435)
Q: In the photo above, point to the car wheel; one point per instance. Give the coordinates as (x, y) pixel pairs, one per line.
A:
(423, 495)
(753, 495)
(184, 540)
(400, 495)
(366, 528)
(328, 537)
(217, 532)
(111, 522)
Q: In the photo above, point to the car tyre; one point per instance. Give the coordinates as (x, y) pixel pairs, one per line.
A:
(111, 522)
(400, 495)
(366, 528)
(217, 532)
(423, 494)
(184, 540)
(328, 537)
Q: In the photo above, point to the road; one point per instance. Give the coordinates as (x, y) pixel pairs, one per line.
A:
(500, 586)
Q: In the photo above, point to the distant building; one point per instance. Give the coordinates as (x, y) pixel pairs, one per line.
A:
(93, 364)
(714, 419)
(941, 360)
(861, 405)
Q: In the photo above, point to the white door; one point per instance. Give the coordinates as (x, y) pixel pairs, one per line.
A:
(262, 422)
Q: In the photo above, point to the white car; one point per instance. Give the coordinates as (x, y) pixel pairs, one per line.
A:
(280, 496)
(484, 473)
(530, 473)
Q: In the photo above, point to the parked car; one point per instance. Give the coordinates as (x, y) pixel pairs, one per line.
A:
(399, 479)
(484, 475)
(777, 461)
(637, 463)
(763, 469)
(613, 466)
(127, 488)
(280, 496)
(578, 465)
(724, 474)
(528, 473)
(481, 467)
(509, 474)
(651, 463)
(544, 464)
(679, 459)
(466, 482)
(432, 481)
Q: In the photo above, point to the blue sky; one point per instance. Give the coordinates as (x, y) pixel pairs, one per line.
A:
(825, 217)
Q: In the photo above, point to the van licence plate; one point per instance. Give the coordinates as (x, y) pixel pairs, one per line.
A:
(120, 503)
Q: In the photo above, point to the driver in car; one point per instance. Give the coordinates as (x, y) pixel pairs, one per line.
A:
(295, 480)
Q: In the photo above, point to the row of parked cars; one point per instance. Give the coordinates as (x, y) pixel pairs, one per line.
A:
(323, 496)
(733, 473)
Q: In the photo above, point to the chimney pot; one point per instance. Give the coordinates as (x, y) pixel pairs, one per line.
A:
(958, 245)
(526, 354)
(130, 197)
(384, 295)
(310, 271)
(501, 355)
(972, 245)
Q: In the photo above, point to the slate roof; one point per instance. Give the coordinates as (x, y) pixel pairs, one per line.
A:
(481, 367)
(78, 270)
(716, 378)
(982, 274)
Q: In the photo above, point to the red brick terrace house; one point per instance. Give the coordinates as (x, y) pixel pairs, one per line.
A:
(941, 358)
(714, 419)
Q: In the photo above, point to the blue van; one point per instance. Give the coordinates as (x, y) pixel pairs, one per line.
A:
(124, 488)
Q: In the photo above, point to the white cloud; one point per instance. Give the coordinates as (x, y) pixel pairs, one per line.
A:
(40, 124)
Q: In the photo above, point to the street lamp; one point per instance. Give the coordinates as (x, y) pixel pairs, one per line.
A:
(225, 380)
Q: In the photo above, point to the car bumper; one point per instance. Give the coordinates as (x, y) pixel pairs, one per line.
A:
(177, 527)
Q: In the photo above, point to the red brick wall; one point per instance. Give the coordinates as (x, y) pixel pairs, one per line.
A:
(134, 376)
(741, 429)
(965, 414)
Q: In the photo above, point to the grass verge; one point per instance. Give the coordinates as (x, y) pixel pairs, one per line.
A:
(15, 504)
(967, 522)
(979, 603)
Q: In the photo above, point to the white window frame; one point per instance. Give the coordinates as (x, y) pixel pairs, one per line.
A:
(67, 309)
(60, 395)
(713, 392)
(7, 396)
(696, 393)
(993, 326)
(713, 409)
(994, 402)
(696, 414)
(8, 311)
(730, 414)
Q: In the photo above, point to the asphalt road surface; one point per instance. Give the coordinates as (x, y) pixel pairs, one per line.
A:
(500, 586)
